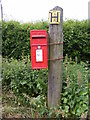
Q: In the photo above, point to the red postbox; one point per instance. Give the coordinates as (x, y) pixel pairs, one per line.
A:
(38, 49)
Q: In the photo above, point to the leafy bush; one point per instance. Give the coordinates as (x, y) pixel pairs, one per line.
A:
(16, 38)
(14, 42)
(22, 79)
(30, 87)
(76, 39)
(75, 89)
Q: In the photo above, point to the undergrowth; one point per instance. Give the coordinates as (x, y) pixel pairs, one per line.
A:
(30, 87)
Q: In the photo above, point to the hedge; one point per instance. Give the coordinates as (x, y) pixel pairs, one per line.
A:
(16, 38)
(76, 39)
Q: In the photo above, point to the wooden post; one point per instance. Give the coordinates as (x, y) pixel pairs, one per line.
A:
(88, 92)
(56, 56)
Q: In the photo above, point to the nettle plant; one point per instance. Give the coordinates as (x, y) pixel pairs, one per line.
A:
(30, 87)
(19, 76)
(75, 89)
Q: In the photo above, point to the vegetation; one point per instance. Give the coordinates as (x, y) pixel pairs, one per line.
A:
(16, 38)
(27, 88)
(76, 39)
(30, 87)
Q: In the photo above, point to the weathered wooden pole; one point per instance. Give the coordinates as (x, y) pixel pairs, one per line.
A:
(55, 56)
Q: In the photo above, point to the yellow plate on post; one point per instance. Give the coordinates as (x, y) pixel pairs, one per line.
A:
(54, 17)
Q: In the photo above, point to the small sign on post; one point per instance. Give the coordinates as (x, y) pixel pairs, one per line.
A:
(54, 17)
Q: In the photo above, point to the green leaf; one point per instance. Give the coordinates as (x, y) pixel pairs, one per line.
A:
(23, 82)
(66, 109)
(65, 100)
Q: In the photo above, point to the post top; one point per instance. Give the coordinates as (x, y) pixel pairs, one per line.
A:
(57, 8)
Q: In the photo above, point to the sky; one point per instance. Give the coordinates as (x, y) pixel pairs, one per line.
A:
(36, 10)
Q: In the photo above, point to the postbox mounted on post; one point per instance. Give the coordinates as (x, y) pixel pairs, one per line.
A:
(38, 49)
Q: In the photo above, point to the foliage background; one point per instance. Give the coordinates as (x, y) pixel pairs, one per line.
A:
(16, 38)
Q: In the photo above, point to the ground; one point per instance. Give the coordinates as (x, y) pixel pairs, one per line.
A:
(11, 110)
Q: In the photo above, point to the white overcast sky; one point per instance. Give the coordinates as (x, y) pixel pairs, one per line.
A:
(34, 10)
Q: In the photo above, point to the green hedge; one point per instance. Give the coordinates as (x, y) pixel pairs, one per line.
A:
(76, 39)
(16, 38)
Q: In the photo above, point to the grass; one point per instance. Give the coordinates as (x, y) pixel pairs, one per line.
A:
(11, 110)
